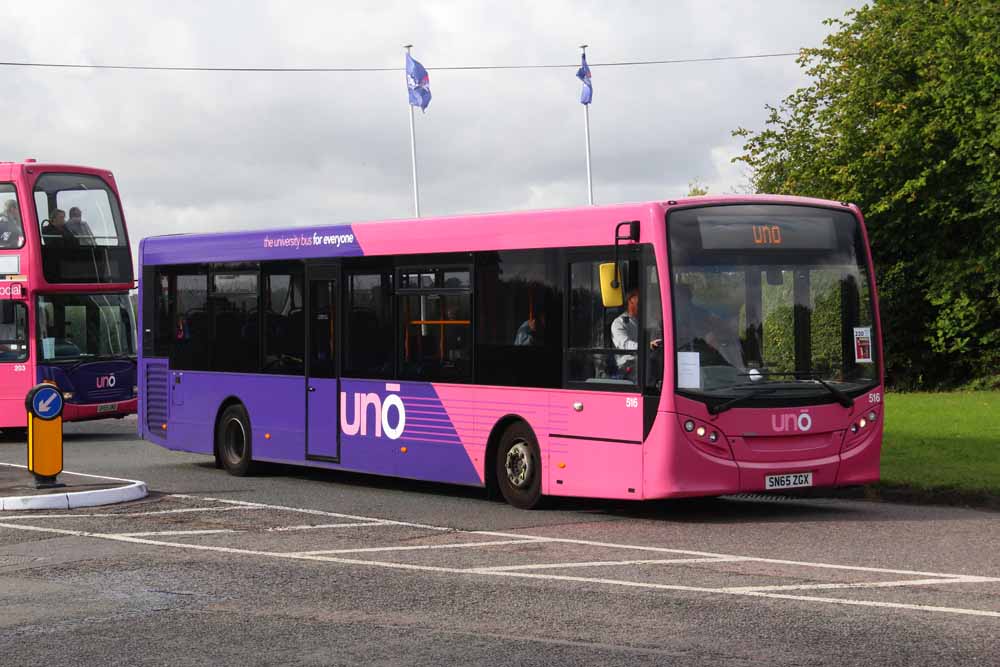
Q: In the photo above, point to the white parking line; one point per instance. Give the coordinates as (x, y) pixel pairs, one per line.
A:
(860, 584)
(23, 517)
(516, 571)
(601, 563)
(317, 526)
(524, 575)
(420, 547)
(302, 510)
(157, 533)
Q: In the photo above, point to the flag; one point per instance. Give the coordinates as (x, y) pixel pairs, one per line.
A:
(418, 83)
(587, 94)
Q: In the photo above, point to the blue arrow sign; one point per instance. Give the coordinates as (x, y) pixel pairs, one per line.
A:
(47, 403)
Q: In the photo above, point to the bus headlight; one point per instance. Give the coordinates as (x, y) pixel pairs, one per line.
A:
(862, 422)
(701, 431)
(871, 416)
(713, 436)
(689, 426)
(67, 395)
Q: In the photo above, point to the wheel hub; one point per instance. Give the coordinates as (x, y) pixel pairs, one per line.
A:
(518, 464)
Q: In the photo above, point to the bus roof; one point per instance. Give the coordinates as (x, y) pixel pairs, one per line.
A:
(8, 170)
(579, 226)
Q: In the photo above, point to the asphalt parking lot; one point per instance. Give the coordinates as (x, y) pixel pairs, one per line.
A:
(323, 568)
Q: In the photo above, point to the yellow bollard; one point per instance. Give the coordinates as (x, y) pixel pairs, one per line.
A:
(44, 403)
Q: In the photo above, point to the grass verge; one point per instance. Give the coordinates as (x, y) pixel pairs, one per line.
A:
(942, 446)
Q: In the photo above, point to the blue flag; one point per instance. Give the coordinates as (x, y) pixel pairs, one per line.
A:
(587, 94)
(418, 83)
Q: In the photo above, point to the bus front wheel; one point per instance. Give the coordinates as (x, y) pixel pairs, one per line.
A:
(232, 438)
(519, 467)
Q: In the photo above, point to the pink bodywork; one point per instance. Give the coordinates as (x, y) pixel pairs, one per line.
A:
(607, 456)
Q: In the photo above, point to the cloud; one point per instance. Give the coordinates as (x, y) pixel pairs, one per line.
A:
(213, 151)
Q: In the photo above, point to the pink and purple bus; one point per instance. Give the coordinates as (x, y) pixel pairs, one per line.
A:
(697, 347)
(65, 274)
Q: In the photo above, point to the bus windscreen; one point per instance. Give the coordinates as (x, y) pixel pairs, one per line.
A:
(773, 296)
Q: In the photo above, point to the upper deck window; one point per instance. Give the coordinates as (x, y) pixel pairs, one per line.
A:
(81, 230)
(11, 229)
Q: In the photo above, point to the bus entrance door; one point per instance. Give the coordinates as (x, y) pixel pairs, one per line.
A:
(322, 382)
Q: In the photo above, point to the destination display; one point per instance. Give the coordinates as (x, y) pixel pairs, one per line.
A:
(754, 233)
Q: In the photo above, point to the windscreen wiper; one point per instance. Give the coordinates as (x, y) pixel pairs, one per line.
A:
(841, 397)
(97, 357)
(722, 407)
(812, 376)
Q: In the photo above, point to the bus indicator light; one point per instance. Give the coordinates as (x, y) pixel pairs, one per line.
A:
(267, 436)
(163, 426)
(402, 449)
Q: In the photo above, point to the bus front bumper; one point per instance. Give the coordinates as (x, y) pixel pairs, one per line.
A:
(77, 412)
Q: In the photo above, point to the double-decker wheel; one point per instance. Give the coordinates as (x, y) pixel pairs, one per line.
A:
(519, 467)
(232, 440)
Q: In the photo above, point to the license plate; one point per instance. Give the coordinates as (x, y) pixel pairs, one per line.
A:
(789, 481)
(107, 407)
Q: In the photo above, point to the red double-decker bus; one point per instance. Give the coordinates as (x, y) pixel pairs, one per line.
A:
(65, 275)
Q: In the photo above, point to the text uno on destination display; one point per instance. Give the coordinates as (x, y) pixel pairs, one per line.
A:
(308, 240)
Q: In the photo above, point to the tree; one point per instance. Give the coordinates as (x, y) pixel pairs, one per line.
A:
(696, 188)
(902, 118)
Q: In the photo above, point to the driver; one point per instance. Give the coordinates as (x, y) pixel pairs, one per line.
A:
(696, 324)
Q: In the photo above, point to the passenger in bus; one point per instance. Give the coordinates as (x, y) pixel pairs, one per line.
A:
(11, 235)
(78, 228)
(531, 331)
(625, 335)
(55, 233)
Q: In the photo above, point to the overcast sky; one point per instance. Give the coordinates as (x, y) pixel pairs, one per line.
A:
(216, 151)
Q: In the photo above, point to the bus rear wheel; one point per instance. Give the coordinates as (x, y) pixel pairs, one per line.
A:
(232, 440)
(519, 467)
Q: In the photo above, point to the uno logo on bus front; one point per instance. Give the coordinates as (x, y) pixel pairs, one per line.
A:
(766, 234)
(791, 422)
(387, 416)
(105, 381)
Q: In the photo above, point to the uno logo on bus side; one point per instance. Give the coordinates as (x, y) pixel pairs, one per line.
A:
(382, 413)
(791, 422)
(106, 381)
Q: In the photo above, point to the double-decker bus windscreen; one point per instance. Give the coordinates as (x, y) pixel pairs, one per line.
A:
(85, 327)
(81, 230)
(771, 303)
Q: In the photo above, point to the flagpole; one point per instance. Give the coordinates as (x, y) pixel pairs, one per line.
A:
(413, 154)
(586, 132)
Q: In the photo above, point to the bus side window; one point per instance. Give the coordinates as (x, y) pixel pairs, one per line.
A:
(235, 325)
(284, 320)
(435, 308)
(519, 319)
(603, 342)
(191, 348)
(368, 334)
